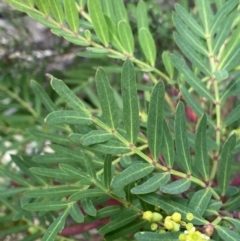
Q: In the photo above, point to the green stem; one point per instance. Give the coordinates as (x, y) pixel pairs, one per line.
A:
(20, 101)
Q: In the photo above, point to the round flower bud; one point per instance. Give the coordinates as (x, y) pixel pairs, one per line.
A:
(176, 217)
(169, 225)
(157, 217)
(208, 230)
(147, 216)
(189, 226)
(162, 231)
(154, 226)
(182, 237)
(176, 227)
(190, 216)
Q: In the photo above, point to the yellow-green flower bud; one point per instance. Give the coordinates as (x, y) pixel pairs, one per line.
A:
(154, 226)
(190, 216)
(157, 217)
(176, 217)
(147, 216)
(182, 237)
(168, 224)
(176, 227)
(189, 226)
(162, 231)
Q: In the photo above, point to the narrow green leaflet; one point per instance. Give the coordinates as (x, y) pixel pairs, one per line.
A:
(233, 60)
(90, 167)
(107, 171)
(56, 227)
(59, 191)
(21, 6)
(206, 14)
(42, 94)
(88, 207)
(200, 200)
(126, 37)
(132, 174)
(95, 137)
(46, 206)
(191, 78)
(106, 99)
(120, 10)
(202, 163)
(212, 208)
(69, 117)
(89, 193)
(130, 101)
(189, 20)
(125, 230)
(152, 184)
(57, 10)
(168, 63)
(225, 162)
(30, 3)
(147, 45)
(71, 14)
(188, 36)
(107, 6)
(176, 187)
(221, 74)
(168, 151)
(43, 6)
(82, 3)
(53, 158)
(151, 236)
(108, 211)
(123, 218)
(221, 14)
(226, 234)
(41, 18)
(170, 206)
(76, 213)
(181, 140)
(98, 21)
(234, 221)
(232, 88)
(233, 203)
(190, 53)
(113, 146)
(10, 192)
(142, 16)
(63, 91)
(155, 120)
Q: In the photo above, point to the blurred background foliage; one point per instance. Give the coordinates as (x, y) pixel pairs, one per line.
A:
(28, 51)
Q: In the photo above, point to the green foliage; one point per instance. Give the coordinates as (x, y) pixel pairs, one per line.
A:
(124, 145)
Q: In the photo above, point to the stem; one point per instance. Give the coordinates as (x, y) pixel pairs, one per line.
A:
(20, 101)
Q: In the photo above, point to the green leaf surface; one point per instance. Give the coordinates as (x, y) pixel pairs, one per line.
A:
(212, 208)
(226, 234)
(107, 171)
(120, 11)
(189, 20)
(70, 170)
(168, 151)
(189, 37)
(130, 101)
(202, 163)
(43, 6)
(58, 192)
(76, 213)
(221, 74)
(57, 10)
(176, 187)
(152, 184)
(56, 227)
(113, 146)
(200, 200)
(151, 236)
(41, 18)
(206, 14)
(168, 63)
(221, 15)
(142, 15)
(21, 6)
(63, 91)
(132, 174)
(77, 40)
(11, 192)
(233, 203)
(191, 78)
(123, 218)
(235, 222)
(42, 94)
(90, 167)
(233, 116)
(71, 14)
(45, 206)
(190, 53)
(226, 158)
(89, 193)
(106, 99)
(95, 137)
(181, 140)
(170, 206)
(155, 120)
(126, 37)
(107, 6)
(108, 211)
(147, 45)
(88, 207)
(233, 60)
(69, 117)
(98, 21)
